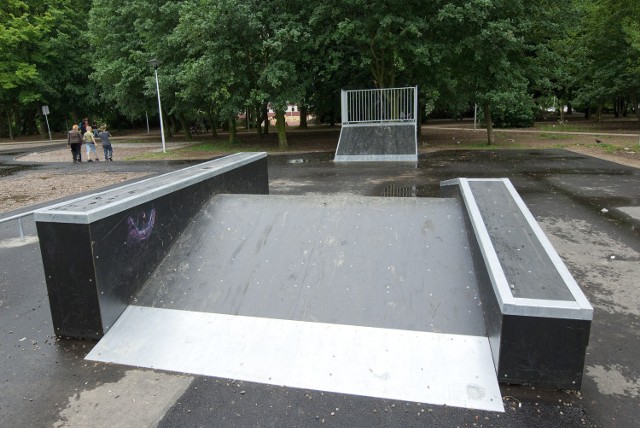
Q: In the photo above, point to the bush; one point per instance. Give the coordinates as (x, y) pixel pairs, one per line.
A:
(512, 111)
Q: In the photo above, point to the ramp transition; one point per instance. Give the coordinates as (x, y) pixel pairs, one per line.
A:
(443, 369)
(348, 294)
(377, 143)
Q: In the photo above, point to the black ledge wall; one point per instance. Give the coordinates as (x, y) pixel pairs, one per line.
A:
(93, 270)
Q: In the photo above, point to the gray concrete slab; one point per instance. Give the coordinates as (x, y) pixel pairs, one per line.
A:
(397, 263)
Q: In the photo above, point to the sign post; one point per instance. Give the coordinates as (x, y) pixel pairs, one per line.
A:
(45, 111)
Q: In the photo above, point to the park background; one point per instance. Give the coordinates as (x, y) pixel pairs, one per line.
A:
(223, 64)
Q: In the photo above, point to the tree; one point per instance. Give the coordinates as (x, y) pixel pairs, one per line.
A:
(609, 62)
(492, 46)
(388, 39)
(119, 54)
(41, 64)
(222, 57)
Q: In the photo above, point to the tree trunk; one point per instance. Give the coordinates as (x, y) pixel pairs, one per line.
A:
(258, 118)
(9, 123)
(587, 113)
(634, 104)
(561, 109)
(42, 127)
(489, 122)
(247, 123)
(265, 118)
(282, 132)
(232, 130)
(24, 128)
(599, 113)
(168, 119)
(212, 125)
(303, 117)
(185, 126)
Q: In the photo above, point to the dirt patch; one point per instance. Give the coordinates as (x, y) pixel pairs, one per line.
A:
(35, 187)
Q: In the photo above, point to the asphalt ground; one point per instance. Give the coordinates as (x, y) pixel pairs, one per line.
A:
(44, 380)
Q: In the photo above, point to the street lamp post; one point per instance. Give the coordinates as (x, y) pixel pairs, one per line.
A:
(155, 64)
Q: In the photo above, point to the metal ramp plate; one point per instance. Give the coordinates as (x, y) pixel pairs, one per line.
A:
(377, 142)
(441, 369)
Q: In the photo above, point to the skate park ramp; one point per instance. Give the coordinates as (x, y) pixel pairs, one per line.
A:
(378, 125)
(357, 295)
(377, 143)
(431, 300)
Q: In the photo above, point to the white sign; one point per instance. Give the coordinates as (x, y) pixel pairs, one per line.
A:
(45, 110)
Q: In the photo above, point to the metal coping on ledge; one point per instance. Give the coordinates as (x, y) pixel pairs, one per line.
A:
(88, 209)
(579, 308)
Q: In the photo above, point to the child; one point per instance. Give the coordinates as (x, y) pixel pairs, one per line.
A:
(106, 143)
(90, 142)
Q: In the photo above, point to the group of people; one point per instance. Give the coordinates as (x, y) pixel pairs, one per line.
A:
(83, 133)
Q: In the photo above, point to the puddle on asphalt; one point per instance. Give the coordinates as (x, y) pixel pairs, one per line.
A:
(301, 158)
(6, 170)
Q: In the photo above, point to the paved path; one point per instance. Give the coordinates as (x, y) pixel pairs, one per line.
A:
(536, 131)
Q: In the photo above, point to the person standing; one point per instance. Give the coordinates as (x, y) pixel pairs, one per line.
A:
(83, 125)
(106, 143)
(74, 140)
(90, 143)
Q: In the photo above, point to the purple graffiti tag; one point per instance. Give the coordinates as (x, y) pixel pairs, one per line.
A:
(140, 228)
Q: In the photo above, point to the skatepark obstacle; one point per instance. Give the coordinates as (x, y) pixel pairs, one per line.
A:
(209, 245)
(379, 125)
(538, 320)
(98, 250)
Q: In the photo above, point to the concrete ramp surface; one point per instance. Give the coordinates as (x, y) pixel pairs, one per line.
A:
(367, 296)
(377, 142)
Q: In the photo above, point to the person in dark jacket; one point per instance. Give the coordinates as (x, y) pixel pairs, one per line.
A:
(74, 140)
(83, 125)
(106, 143)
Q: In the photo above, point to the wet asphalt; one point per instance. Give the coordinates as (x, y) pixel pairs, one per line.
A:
(44, 380)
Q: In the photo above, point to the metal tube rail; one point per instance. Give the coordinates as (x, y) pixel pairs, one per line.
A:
(379, 105)
(19, 218)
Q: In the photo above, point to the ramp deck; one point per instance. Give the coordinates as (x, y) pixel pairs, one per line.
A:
(378, 262)
(358, 295)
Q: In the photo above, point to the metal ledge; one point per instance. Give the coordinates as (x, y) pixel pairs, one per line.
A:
(578, 308)
(94, 207)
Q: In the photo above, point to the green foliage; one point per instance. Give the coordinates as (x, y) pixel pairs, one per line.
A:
(609, 62)
(40, 44)
(222, 57)
(512, 110)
